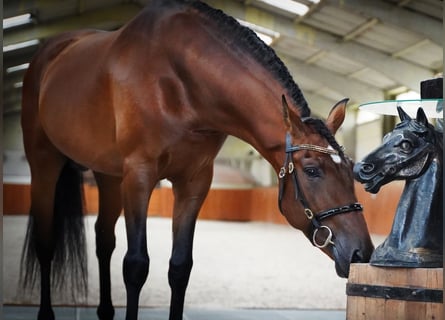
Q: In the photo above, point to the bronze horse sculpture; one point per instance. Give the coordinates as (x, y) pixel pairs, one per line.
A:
(153, 100)
(412, 152)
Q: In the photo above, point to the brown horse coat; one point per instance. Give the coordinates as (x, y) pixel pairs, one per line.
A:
(156, 99)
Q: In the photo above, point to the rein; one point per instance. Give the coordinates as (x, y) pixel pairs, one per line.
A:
(289, 168)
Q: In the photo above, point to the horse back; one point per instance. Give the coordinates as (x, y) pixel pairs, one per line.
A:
(118, 90)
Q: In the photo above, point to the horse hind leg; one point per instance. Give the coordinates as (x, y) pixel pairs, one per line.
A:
(110, 206)
(55, 230)
(39, 243)
(189, 197)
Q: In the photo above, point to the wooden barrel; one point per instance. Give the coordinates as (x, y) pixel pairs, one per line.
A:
(383, 293)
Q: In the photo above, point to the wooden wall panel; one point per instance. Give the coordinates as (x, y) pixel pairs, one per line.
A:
(16, 198)
(257, 204)
(379, 208)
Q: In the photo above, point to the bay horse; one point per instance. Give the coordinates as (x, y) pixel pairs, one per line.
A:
(413, 152)
(155, 100)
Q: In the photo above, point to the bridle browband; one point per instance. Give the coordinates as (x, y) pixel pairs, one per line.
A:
(289, 168)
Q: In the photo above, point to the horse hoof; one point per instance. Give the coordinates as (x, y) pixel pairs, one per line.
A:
(46, 314)
(105, 312)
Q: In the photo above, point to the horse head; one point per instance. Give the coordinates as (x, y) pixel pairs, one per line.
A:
(316, 191)
(404, 154)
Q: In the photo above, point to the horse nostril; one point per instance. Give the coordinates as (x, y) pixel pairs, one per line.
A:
(357, 256)
(392, 170)
(367, 167)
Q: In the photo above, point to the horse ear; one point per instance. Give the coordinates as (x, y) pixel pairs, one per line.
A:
(402, 114)
(337, 116)
(286, 117)
(296, 121)
(421, 117)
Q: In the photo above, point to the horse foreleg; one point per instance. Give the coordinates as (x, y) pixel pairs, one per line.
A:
(110, 206)
(189, 196)
(137, 186)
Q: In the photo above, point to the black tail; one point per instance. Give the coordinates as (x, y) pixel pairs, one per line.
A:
(69, 265)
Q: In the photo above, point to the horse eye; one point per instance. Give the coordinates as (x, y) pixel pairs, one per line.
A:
(406, 146)
(312, 172)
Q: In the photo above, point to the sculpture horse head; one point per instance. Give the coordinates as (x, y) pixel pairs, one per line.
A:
(406, 153)
(411, 152)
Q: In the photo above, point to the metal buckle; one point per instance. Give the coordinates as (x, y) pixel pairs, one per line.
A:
(309, 214)
(328, 240)
(291, 167)
(282, 173)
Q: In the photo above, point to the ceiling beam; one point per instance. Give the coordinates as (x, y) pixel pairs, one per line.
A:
(320, 106)
(395, 15)
(357, 91)
(360, 29)
(403, 72)
(106, 19)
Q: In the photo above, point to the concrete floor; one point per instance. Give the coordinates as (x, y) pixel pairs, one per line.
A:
(246, 270)
(22, 313)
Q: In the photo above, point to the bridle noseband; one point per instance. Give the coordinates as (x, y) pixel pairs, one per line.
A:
(289, 168)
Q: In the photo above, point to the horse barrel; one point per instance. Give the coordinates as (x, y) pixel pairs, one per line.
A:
(384, 293)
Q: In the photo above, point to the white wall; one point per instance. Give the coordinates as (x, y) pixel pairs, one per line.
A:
(15, 166)
(369, 137)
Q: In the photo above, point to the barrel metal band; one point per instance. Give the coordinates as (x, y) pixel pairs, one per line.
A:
(395, 293)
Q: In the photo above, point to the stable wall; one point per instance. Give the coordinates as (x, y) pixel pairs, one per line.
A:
(256, 204)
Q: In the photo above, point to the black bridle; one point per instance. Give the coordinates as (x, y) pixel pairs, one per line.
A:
(289, 168)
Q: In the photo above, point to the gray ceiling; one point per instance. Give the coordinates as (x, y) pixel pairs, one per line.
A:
(362, 49)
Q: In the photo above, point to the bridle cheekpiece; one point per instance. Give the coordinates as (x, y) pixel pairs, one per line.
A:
(288, 168)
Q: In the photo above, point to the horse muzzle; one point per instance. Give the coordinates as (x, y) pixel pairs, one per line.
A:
(367, 174)
(343, 257)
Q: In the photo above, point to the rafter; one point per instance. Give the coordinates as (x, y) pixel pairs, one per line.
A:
(105, 18)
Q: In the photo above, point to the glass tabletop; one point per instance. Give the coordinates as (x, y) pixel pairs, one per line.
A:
(432, 107)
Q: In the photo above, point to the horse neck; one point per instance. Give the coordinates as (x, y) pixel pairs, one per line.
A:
(251, 111)
(222, 87)
(262, 123)
(419, 212)
(424, 194)
(240, 98)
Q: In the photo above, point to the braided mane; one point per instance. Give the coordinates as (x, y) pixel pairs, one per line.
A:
(243, 38)
(323, 130)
